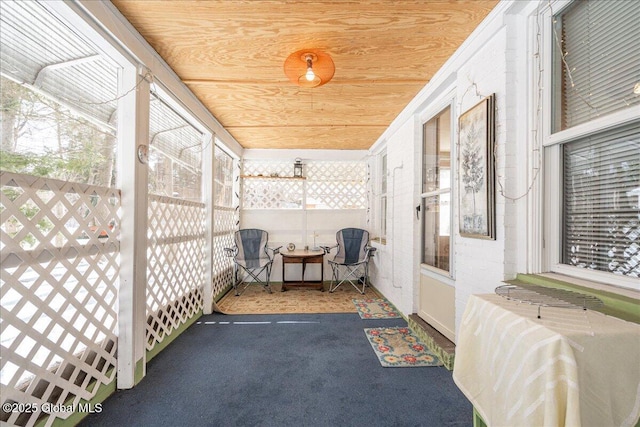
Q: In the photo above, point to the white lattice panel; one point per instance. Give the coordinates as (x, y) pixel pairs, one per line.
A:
(225, 221)
(355, 172)
(175, 275)
(222, 266)
(329, 185)
(59, 287)
(272, 193)
(336, 185)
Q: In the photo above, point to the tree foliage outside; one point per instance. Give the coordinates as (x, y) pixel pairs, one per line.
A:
(42, 138)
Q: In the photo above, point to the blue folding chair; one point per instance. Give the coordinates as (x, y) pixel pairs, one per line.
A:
(352, 259)
(253, 256)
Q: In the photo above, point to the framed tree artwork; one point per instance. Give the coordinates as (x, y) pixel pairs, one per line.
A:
(476, 172)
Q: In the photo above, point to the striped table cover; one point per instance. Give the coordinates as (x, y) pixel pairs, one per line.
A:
(571, 367)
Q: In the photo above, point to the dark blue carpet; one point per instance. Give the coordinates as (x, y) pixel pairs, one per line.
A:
(225, 372)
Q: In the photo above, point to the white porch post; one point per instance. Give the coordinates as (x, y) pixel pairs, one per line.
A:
(208, 173)
(133, 132)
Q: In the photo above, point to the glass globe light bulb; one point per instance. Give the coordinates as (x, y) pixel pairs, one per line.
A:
(310, 75)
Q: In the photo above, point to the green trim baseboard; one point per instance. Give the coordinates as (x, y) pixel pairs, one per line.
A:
(95, 405)
(175, 334)
(222, 293)
(616, 305)
(138, 375)
(437, 343)
(106, 390)
(477, 419)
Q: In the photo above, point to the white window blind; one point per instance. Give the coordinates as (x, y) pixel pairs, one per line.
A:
(40, 51)
(175, 157)
(600, 41)
(602, 201)
(222, 179)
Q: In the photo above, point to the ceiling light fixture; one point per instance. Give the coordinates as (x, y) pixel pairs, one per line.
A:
(309, 75)
(309, 68)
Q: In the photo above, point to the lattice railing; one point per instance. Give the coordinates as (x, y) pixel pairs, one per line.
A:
(225, 220)
(175, 270)
(59, 287)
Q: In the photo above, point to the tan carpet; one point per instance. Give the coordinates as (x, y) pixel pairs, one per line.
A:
(255, 300)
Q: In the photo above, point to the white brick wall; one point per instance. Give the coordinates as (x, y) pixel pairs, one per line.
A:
(393, 271)
(493, 62)
(480, 263)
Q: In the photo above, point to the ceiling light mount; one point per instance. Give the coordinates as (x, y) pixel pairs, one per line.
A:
(309, 68)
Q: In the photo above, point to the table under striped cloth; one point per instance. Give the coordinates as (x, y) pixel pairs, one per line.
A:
(571, 367)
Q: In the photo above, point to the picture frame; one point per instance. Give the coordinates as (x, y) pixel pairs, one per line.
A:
(476, 171)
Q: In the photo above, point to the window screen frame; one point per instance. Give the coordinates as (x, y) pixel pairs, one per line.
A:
(552, 145)
(439, 190)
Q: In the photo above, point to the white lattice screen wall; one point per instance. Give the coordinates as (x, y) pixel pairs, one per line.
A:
(59, 287)
(175, 269)
(272, 193)
(225, 223)
(225, 219)
(328, 185)
(336, 185)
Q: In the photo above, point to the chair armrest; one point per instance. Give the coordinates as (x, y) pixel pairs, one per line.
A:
(370, 250)
(327, 249)
(275, 250)
(230, 252)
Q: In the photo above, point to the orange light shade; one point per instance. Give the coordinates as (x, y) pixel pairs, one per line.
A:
(295, 67)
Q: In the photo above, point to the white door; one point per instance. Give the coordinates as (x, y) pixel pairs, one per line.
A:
(437, 297)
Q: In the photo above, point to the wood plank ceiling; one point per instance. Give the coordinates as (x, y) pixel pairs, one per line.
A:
(230, 53)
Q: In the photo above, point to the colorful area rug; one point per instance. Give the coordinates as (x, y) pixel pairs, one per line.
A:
(398, 348)
(378, 308)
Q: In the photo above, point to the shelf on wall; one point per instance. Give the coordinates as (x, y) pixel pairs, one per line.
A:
(272, 177)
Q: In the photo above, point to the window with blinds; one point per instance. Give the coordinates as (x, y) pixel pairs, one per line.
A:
(602, 201)
(596, 60)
